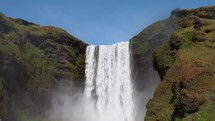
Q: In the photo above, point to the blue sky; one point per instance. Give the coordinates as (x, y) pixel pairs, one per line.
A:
(97, 21)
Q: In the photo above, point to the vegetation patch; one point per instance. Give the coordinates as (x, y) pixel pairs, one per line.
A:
(189, 58)
(33, 60)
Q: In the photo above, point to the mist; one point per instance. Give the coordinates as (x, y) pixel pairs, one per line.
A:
(104, 98)
(71, 106)
(75, 106)
(108, 90)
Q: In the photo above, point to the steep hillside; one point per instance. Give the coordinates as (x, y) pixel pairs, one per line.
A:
(142, 46)
(144, 75)
(186, 64)
(34, 60)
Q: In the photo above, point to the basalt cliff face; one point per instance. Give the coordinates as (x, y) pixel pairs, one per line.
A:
(186, 65)
(34, 60)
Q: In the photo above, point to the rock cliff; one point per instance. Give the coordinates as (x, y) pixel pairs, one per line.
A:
(185, 63)
(34, 60)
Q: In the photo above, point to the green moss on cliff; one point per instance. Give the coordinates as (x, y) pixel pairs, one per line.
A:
(33, 61)
(164, 58)
(187, 88)
(150, 37)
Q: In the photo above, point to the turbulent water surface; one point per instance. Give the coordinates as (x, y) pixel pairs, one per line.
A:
(108, 81)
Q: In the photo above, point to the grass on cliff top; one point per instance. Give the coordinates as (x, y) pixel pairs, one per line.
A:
(140, 42)
(50, 36)
(166, 57)
(154, 29)
(34, 29)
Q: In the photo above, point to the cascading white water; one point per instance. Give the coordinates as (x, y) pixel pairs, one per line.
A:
(108, 81)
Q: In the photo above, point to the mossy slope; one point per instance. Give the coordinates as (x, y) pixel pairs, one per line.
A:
(34, 60)
(142, 46)
(186, 65)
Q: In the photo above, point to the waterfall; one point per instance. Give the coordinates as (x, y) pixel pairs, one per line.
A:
(108, 81)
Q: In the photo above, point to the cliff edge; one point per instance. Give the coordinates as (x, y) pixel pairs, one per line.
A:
(186, 64)
(34, 60)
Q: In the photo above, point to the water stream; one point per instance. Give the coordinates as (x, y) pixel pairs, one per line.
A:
(108, 81)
